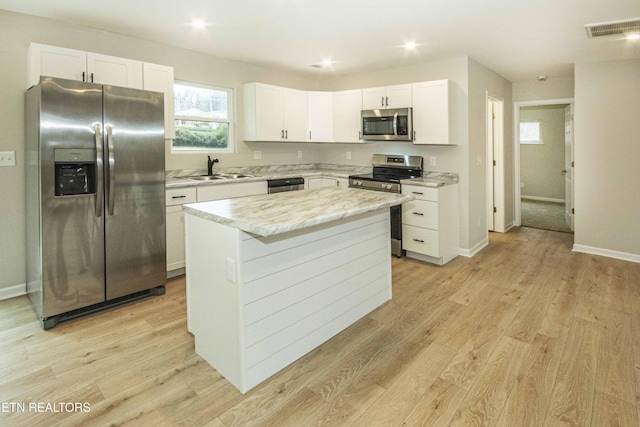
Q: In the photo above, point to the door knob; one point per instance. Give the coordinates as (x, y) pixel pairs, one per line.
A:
(564, 171)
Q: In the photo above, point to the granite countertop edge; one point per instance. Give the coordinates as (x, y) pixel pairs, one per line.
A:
(268, 215)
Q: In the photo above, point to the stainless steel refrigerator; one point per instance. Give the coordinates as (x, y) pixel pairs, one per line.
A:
(95, 211)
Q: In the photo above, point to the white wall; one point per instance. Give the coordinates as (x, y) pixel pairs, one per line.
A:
(607, 154)
(483, 82)
(541, 164)
(552, 88)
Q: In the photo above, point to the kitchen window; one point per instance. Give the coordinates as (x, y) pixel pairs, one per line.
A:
(530, 132)
(204, 118)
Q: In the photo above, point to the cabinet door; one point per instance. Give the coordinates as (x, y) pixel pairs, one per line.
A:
(175, 237)
(320, 116)
(159, 78)
(294, 112)
(318, 182)
(55, 61)
(268, 113)
(110, 70)
(373, 98)
(347, 105)
(431, 112)
(398, 96)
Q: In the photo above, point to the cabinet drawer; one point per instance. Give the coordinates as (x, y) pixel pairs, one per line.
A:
(421, 193)
(178, 196)
(421, 213)
(421, 240)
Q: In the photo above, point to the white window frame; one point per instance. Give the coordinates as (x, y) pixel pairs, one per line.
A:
(230, 120)
(537, 141)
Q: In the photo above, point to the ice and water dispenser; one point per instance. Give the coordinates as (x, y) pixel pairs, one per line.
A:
(75, 171)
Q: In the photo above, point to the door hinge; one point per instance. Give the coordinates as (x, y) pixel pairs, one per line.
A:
(495, 210)
(494, 163)
(493, 116)
(573, 165)
(573, 211)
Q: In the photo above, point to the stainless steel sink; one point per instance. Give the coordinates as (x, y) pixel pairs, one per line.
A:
(204, 177)
(218, 176)
(237, 175)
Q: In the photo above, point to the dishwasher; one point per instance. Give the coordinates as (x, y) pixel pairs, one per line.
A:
(285, 184)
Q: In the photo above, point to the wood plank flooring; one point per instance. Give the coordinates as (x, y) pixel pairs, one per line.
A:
(526, 333)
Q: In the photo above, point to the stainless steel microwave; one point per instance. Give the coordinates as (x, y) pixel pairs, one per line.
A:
(393, 124)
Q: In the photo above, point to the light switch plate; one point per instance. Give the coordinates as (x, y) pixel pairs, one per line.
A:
(257, 154)
(432, 161)
(7, 158)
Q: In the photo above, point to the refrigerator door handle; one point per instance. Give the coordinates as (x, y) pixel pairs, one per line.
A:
(111, 169)
(99, 156)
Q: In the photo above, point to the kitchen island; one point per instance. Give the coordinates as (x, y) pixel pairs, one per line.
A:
(271, 277)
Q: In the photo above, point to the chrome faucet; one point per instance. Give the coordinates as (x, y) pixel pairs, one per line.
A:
(210, 163)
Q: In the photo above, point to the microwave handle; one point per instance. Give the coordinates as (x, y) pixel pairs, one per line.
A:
(395, 124)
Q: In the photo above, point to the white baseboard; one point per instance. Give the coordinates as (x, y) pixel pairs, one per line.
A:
(607, 252)
(13, 291)
(543, 199)
(474, 250)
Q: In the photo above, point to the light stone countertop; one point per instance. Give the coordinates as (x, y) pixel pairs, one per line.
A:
(271, 214)
(179, 179)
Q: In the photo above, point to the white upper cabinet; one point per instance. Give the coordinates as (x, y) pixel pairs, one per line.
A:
(398, 96)
(110, 70)
(54, 61)
(159, 78)
(347, 105)
(273, 113)
(432, 112)
(320, 116)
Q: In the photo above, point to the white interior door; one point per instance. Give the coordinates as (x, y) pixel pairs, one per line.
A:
(568, 165)
(490, 165)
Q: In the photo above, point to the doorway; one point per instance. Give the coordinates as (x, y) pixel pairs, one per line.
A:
(495, 207)
(544, 164)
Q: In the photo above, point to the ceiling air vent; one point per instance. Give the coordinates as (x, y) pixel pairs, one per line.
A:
(613, 28)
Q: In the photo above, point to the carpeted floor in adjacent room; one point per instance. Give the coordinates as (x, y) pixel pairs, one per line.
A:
(544, 215)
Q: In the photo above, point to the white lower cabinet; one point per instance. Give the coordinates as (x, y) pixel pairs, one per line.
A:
(430, 229)
(174, 200)
(322, 181)
(176, 197)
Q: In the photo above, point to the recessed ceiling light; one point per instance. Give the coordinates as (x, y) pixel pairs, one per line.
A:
(633, 37)
(410, 45)
(542, 78)
(327, 63)
(198, 24)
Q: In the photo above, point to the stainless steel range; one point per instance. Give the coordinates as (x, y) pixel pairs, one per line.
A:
(388, 170)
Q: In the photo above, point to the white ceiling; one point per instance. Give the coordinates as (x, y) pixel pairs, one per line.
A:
(519, 39)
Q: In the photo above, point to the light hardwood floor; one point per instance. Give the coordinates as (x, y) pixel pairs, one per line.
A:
(526, 333)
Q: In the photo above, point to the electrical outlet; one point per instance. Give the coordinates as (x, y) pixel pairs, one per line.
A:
(348, 155)
(299, 154)
(479, 160)
(522, 185)
(432, 161)
(257, 155)
(7, 158)
(231, 270)
(478, 221)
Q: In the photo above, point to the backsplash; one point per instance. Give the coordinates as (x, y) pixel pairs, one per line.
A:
(257, 170)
